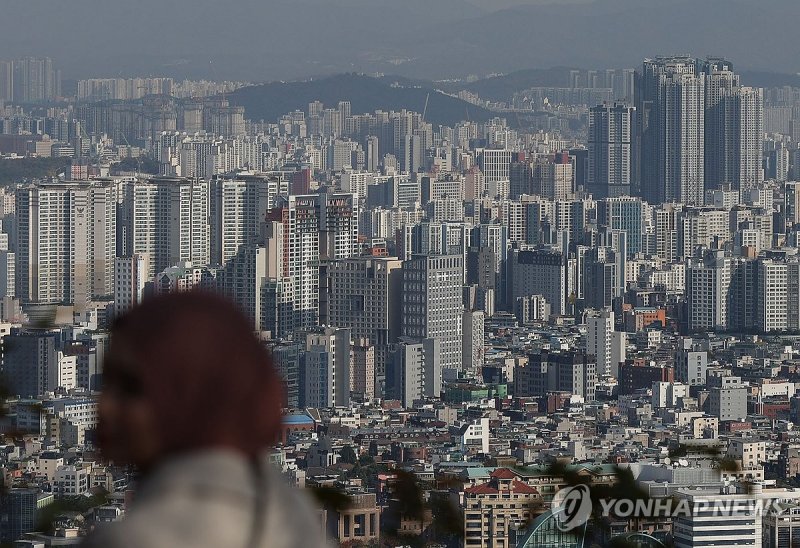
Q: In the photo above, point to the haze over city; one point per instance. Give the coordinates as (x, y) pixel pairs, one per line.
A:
(383, 273)
(269, 40)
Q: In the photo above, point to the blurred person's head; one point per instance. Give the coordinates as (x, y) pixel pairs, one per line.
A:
(185, 372)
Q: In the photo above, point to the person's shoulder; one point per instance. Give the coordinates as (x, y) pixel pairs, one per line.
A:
(118, 535)
(176, 520)
(292, 520)
(292, 499)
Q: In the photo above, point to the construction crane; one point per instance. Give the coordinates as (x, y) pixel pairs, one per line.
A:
(425, 110)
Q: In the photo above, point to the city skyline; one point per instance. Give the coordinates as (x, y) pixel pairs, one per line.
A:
(483, 296)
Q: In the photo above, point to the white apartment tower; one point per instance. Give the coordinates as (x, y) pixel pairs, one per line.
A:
(749, 132)
(166, 218)
(777, 295)
(603, 342)
(553, 177)
(473, 346)
(356, 181)
(325, 368)
(66, 242)
(8, 266)
(237, 209)
(414, 371)
(130, 280)
(495, 164)
(316, 227)
(708, 281)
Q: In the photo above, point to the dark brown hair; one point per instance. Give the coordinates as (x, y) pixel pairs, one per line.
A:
(211, 381)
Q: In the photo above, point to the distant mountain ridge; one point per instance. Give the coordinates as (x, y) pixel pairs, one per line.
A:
(503, 87)
(366, 94)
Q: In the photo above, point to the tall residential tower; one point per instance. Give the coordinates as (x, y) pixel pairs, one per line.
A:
(610, 150)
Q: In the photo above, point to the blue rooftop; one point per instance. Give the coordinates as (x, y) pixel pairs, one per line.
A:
(297, 419)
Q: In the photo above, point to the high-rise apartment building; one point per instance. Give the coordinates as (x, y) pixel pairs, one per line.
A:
(130, 282)
(66, 242)
(316, 227)
(494, 164)
(286, 358)
(494, 237)
(721, 116)
(325, 368)
(414, 371)
(362, 369)
(604, 343)
(432, 303)
(696, 227)
(122, 89)
(166, 218)
(403, 124)
(441, 187)
(603, 270)
(611, 139)
(777, 296)
(699, 129)
(708, 280)
(356, 181)
(734, 128)
(411, 154)
(520, 177)
(473, 346)
(6, 81)
(475, 184)
(436, 238)
(237, 209)
(627, 214)
(539, 272)
(243, 281)
(791, 205)
(363, 294)
(29, 80)
(373, 154)
(671, 110)
(553, 177)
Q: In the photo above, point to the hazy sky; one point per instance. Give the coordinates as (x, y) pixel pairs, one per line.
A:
(494, 5)
(262, 40)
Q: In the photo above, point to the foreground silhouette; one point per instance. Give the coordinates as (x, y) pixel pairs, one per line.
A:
(191, 399)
